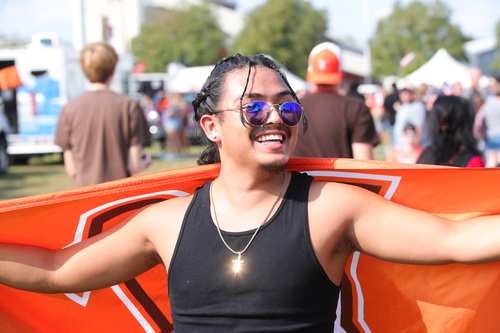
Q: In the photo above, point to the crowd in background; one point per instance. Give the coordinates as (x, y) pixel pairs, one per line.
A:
(448, 125)
(403, 115)
(411, 124)
(169, 117)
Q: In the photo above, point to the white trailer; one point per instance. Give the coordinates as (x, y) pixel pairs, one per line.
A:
(51, 76)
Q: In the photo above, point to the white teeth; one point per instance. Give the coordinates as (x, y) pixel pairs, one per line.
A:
(270, 137)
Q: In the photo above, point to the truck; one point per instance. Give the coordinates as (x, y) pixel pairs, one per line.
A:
(49, 76)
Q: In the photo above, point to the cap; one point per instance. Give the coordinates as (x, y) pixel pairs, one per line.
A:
(405, 85)
(324, 64)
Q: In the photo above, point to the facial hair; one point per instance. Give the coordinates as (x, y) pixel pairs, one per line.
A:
(275, 167)
(272, 167)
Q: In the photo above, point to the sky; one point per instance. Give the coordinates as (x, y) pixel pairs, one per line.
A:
(347, 19)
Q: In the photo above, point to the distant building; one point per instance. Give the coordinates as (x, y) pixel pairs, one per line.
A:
(119, 21)
(355, 64)
(482, 53)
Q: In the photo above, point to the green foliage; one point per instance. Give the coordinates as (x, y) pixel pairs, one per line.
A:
(420, 28)
(190, 36)
(287, 30)
(495, 66)
(8, 41)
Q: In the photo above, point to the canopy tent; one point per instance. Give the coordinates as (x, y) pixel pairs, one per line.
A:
(441, 68)
(191, 79)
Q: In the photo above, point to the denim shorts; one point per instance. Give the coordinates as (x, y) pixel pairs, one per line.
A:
(493, 142)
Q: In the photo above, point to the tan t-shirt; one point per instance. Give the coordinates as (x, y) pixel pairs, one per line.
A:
(99, 127)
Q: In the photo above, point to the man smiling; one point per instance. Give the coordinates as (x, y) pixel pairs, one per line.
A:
(259, 249)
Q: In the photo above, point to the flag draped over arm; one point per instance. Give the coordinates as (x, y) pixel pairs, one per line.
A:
(376, 296)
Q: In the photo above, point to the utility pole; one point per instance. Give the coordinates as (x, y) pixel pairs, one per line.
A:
(366, 40)
(77, 7)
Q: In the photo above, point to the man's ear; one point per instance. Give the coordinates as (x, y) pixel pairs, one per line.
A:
(210, 125)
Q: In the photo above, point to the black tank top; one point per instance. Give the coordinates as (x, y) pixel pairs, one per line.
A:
(281, 287)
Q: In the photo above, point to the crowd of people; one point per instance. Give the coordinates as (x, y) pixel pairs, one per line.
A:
(448, 125)
(102, 133)
(426, 124)
(403, 124)
(172, 114)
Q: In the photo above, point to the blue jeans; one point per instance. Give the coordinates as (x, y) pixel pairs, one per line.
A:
(493, 143)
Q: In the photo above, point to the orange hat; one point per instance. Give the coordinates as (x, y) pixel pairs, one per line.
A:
(324, 64)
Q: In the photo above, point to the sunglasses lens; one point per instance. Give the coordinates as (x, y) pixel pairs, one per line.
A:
(291, 112)
(256, 112)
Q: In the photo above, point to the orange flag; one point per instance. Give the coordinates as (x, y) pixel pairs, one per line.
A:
(376, 296)
(9, 78)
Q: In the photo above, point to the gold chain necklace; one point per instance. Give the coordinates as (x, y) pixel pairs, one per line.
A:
(237, 263)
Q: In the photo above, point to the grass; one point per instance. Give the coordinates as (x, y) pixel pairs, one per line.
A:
(46, 174)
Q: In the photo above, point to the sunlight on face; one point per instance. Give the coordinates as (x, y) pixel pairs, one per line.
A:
(266, 85)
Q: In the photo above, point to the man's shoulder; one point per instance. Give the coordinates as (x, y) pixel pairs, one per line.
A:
(332, 97)
(78, 99)
(172, 210)
(99, 94)
(116, 100)
(110, 94)
(391, 99)
(414, 105)
(418, 105)
(492, 102)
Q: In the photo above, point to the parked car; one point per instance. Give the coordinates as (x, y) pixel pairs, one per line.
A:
(4, 130)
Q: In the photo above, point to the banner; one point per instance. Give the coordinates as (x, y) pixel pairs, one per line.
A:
(376, 296)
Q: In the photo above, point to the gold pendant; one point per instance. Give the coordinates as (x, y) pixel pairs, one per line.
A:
(237, 263)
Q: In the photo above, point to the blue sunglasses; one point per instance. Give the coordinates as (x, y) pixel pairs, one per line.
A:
(256, 113)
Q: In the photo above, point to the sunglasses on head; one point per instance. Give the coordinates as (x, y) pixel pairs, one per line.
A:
(257, 113)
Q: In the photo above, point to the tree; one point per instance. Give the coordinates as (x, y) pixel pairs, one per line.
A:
(188, 35)
(287, 30)
(495, 66)
(419, 28)
(8, 41)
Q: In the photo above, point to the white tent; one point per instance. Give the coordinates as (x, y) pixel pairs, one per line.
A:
(441, 68)
(187, 79)
(191, 79)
